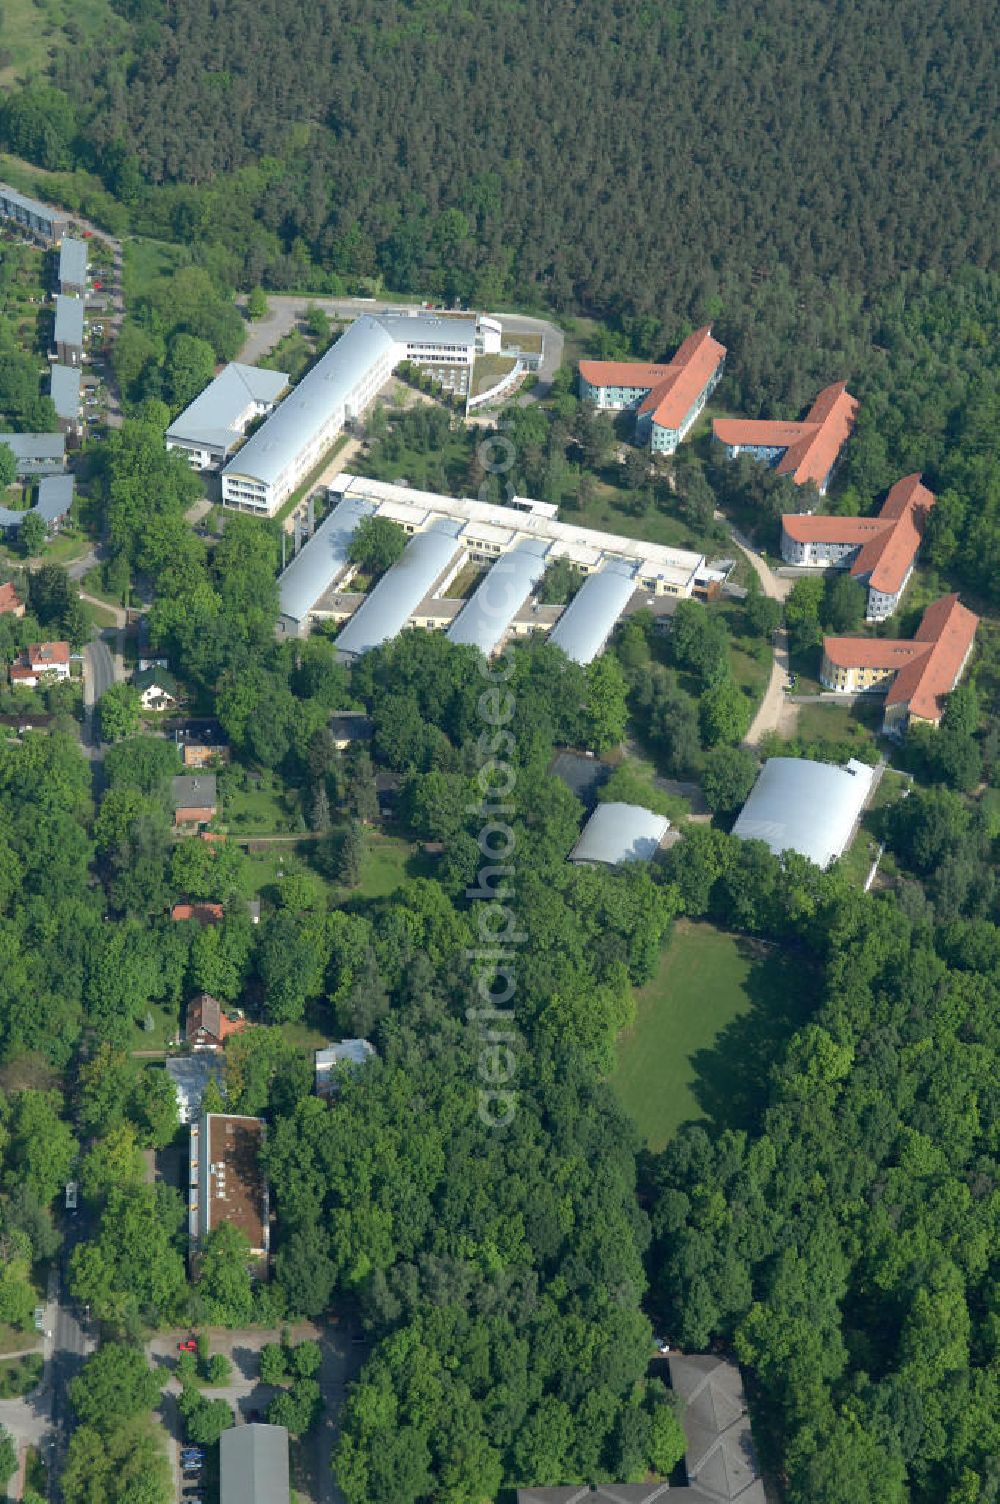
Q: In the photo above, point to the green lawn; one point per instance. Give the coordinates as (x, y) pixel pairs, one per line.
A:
(488, 370)
(704, 1025)
(829, 722)
(256, 811)
(33, 30)
(387, 863)
(145, 261)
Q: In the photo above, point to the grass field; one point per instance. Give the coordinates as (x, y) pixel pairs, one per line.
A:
(488, 371)
(704, 1027)
(33, 30)
(145, 261)
(830, 722)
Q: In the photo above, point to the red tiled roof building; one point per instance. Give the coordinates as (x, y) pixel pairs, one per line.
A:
(665, 398)
(917, 675)
(806, 451)
(879, 551)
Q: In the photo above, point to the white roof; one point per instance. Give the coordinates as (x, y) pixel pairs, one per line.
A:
(590, 617)
(388, 608)
(69, 320)
(678, 566)
(620, 833)
(213, 418)
(428, 329)
(345, 1052)
(803, 806)
(318, 562)
(486, 616)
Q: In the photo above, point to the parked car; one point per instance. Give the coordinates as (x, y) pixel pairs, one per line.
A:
(189, 1345)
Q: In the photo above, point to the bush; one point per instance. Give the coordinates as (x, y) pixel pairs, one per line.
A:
(219, 1369)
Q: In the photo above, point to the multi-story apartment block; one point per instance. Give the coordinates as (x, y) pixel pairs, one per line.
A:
(880, 552)
(917, 675)
(45, 224)
(666, 398)
(807, 451)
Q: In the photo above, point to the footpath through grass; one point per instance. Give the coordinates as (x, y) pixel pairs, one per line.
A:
(704, 1025)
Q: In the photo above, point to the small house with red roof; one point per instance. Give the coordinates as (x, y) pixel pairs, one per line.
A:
(208, 1025)
(666, 398)
(879, 551)
(916, 676)
(40, 660)
(807, 451)
(11, 603)
(203, 913)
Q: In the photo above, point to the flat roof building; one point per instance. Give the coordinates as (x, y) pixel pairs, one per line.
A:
(40, 220)
(429, 562)
(253, 1465)
(212, 427)
(590, 618)
(486, 617)
(666, 398)
(620, 833)
(880, 552)
(227, 1182)
(69, 330)
(335, 392)
(36, 453)
(916, 675)
(806, 451)
(73, 267)
(809, 807)
(334, 1060)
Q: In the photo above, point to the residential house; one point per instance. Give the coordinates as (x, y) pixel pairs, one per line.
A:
(73, 267)
(665, 398)
(69, 330)
(204, 913)
(64, 389)
(807, 451)
(916, 676)
(207, 1025)
(39, 220)
(350, 726)
(720, 1459)
(11, 603)
(40, 660)
(36, 453)
(880, 552)
(194, 799)
(158, 689)
(336, 1059)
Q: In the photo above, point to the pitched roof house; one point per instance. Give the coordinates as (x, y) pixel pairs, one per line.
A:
(918, 675)
(205, 913)
(207, 1025)
(806, 451)
(879, 551)
(194, 798)
(39, 659)
(11, 603)
(667, 398)
(720, 1460)
(158, 689)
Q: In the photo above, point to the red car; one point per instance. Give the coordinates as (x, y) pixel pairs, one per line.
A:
(98, 286)
(188, 1346)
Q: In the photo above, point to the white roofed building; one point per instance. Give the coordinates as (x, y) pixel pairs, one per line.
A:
(212, 427)
(809, 807)
(620, 833)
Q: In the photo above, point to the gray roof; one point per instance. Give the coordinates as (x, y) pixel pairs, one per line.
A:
(484, 619)
(212, 418)
(55, 497)
(590, 617)
(190, 1074)
(809, 807)
(36, 452)
(10, 197)
(428, 329)
(73, 262)
(253, 1462)
(345, 1052)
(192, 790)
(388, 608)
(320, 395)
(69, 320)
(64, 388)
(719, 1460)
(318, 562)
(620, 833)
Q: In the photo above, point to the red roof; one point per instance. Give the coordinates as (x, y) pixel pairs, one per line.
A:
(888, 543)
(9, 599)
(205, 913)
(43, 655)
(671, 389)
(927, 668)
(811, 447)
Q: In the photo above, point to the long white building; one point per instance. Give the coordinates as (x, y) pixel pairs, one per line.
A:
(338, 389)
(519, 541)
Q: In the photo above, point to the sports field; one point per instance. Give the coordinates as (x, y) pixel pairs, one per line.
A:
(701, 1028)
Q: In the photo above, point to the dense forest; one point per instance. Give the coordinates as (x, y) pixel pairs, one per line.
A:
(652, 162)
